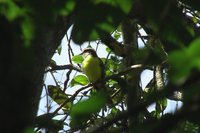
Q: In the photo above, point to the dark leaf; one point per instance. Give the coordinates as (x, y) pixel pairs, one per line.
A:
(65, 7)
(82, 110)
(46, 121)
(59, 96)
(168, 22)
(95, 20)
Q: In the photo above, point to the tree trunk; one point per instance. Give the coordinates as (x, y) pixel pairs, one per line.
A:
(21, 70)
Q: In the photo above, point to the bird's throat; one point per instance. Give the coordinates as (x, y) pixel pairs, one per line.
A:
(92, 68)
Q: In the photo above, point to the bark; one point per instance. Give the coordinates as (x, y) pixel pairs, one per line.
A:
(21, 71)
(130, 40)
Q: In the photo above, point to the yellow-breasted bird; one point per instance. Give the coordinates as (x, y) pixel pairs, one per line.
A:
(94, 69)
(93, 66)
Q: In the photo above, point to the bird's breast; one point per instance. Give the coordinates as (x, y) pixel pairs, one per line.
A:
(91, 67)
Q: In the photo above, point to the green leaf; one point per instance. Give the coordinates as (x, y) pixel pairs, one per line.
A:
(67, 7)
(46, 121)
(117, 34)
(179, 71)
(29, 130)
(82, 110)
(155, 114)
(194, 54)
(59, 49)
(191, 127)
(179, 59)
(124, 5)
(10, 9)
(161, 105)
(27, 30)
(114, 111)
(194, 48)
(103, 18)
(174, 28)
(108, 50)
(79, 80)
(59, 96)
(39, 120)
(113, 65)
(77, 59)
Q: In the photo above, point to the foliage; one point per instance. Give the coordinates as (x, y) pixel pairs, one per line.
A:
(160, 36)
(170, 43)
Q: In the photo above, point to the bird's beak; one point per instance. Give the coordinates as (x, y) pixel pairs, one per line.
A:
(82, 54)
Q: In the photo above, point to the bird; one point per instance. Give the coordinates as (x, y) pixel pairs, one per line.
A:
(93, 67)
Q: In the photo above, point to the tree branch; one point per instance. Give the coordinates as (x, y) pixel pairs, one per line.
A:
(114, 45)
(133, 78)
(159, 77)
(63, 67)
(23, 69)
(136, 109)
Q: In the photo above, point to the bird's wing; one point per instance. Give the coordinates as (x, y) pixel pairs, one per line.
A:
(103, 69)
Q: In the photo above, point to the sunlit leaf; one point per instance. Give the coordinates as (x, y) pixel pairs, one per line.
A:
(77, 59)
(79, 80)
(108, 50)
(117, 34)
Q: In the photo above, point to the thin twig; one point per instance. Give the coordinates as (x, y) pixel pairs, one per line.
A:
(54, 79)
(71, 98)
(136, 109)
(47, 99)
(63, 67)
(126, 71)
(97, 44)
(65, 102)
(141, 37)
(67, 80)
(70, 51)
(106, 61)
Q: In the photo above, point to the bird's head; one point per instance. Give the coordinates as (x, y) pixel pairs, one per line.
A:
(89, 51)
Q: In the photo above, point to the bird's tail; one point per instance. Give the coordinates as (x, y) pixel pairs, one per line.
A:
(99, 86)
